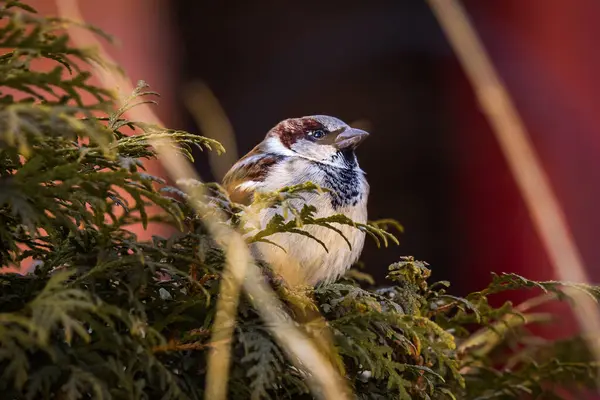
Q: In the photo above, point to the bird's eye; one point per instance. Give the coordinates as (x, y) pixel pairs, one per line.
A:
(318, 134)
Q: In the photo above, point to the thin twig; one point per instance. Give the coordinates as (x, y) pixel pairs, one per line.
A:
(542, 204)
(176, 346)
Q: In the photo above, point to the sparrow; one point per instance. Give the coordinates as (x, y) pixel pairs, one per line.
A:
(319, 149)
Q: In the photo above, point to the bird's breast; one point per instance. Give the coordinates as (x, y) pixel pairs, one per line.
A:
(347, 187)
(348, 192)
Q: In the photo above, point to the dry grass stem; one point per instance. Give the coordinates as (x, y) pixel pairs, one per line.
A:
(213, 123)
(524, 163)
(240, 267)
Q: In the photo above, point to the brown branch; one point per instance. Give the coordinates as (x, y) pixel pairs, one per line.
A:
(207, 277)
(177, 346)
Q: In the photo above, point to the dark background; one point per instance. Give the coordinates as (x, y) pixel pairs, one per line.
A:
(377, 60)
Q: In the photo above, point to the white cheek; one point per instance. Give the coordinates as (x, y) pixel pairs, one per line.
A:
(317, 152)
(274, 145)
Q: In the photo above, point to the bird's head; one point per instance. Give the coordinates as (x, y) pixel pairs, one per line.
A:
(318, 138)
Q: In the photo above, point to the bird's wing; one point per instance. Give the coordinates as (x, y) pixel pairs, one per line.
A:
(248, 174)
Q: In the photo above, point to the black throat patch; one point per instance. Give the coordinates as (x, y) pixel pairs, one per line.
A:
(344, 182)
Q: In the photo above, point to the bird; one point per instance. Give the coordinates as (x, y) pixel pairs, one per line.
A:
(318, 149)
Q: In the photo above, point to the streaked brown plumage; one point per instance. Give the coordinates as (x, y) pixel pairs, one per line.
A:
(318, 149)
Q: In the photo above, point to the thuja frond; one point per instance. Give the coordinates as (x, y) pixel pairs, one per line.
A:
(54, 325)
(504, 282)
(553, 379)
(361, 318)
(28, 126)
(294, 214)
(47, 101)
(264, 360)
(381, 230)
(66, 186)
(279, 197)
(183, 140)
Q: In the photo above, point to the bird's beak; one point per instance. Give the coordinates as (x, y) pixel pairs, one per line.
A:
(350, 138)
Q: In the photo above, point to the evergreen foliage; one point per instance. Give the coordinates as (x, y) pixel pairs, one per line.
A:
(107, 316)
